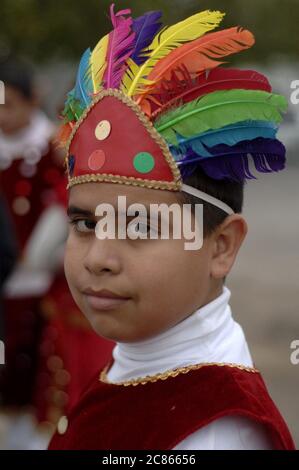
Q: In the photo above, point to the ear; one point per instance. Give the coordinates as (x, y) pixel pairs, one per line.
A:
(226, 243)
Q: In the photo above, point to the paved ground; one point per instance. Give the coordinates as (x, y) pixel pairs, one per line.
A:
(265, 285)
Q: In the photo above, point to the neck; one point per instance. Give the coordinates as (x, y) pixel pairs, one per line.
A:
(208, 335)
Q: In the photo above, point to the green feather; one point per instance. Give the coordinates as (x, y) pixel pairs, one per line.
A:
(72, 109)
(219, 109)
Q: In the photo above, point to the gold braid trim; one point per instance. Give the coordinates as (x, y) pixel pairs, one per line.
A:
(128, 180)
(171, 373)
(152, 184)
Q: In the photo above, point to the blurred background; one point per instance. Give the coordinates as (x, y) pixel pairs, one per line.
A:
(40, 325)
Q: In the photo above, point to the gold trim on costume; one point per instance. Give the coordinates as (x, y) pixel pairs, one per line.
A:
(174, 185)
(171, 373)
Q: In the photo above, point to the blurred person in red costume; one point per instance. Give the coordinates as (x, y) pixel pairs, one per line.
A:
(8, 256)
(36, 383)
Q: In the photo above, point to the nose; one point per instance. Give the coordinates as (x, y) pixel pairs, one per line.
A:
(103, 256)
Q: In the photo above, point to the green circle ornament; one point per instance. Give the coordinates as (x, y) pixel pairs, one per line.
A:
(144, 162)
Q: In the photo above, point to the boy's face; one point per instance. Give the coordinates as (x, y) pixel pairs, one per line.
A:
(16, 112)
(158, 282)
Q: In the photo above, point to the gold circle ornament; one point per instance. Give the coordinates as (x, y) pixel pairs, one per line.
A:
(103, 130)
(62, 425)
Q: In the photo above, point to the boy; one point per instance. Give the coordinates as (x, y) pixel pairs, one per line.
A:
(153, 119)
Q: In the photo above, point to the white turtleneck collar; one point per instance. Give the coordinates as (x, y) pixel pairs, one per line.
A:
(210, 334)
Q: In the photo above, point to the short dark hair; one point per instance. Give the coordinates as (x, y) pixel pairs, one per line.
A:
(17, 73)
(229, 191)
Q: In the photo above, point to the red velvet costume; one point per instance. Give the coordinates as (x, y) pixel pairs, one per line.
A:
(23, 319)
(158, 415)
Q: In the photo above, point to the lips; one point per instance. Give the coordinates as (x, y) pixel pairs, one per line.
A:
(104, 299)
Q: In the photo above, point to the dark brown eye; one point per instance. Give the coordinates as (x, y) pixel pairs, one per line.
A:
(84, 225)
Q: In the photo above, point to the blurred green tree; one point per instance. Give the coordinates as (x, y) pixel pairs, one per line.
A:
(47, 29)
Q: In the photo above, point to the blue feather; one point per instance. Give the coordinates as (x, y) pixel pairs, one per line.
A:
(83, 87)
(145, 27)
(228, 135)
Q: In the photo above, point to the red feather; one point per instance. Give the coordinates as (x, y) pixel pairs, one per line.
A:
(183, 87)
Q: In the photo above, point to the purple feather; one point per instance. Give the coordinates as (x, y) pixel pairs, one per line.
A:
(232, 162)
(146, 27)
(120, 46)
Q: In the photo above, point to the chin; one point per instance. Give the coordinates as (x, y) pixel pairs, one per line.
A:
(113, 332)
(105, 327)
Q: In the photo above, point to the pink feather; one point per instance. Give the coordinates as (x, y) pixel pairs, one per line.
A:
(120, 46)
(116, 18)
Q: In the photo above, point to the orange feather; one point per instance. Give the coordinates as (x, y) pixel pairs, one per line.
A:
(200, 55)
(63, 134)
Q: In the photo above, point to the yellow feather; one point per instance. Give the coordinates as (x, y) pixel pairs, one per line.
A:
(98, 62)
(164, 42)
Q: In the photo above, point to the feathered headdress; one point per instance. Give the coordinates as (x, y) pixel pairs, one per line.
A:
(153, 103)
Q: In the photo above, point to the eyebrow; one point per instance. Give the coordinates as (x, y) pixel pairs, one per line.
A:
(73, 210)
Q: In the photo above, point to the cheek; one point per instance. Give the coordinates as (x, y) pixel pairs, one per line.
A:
(72, 269)
(72, 261)
(174, 280)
